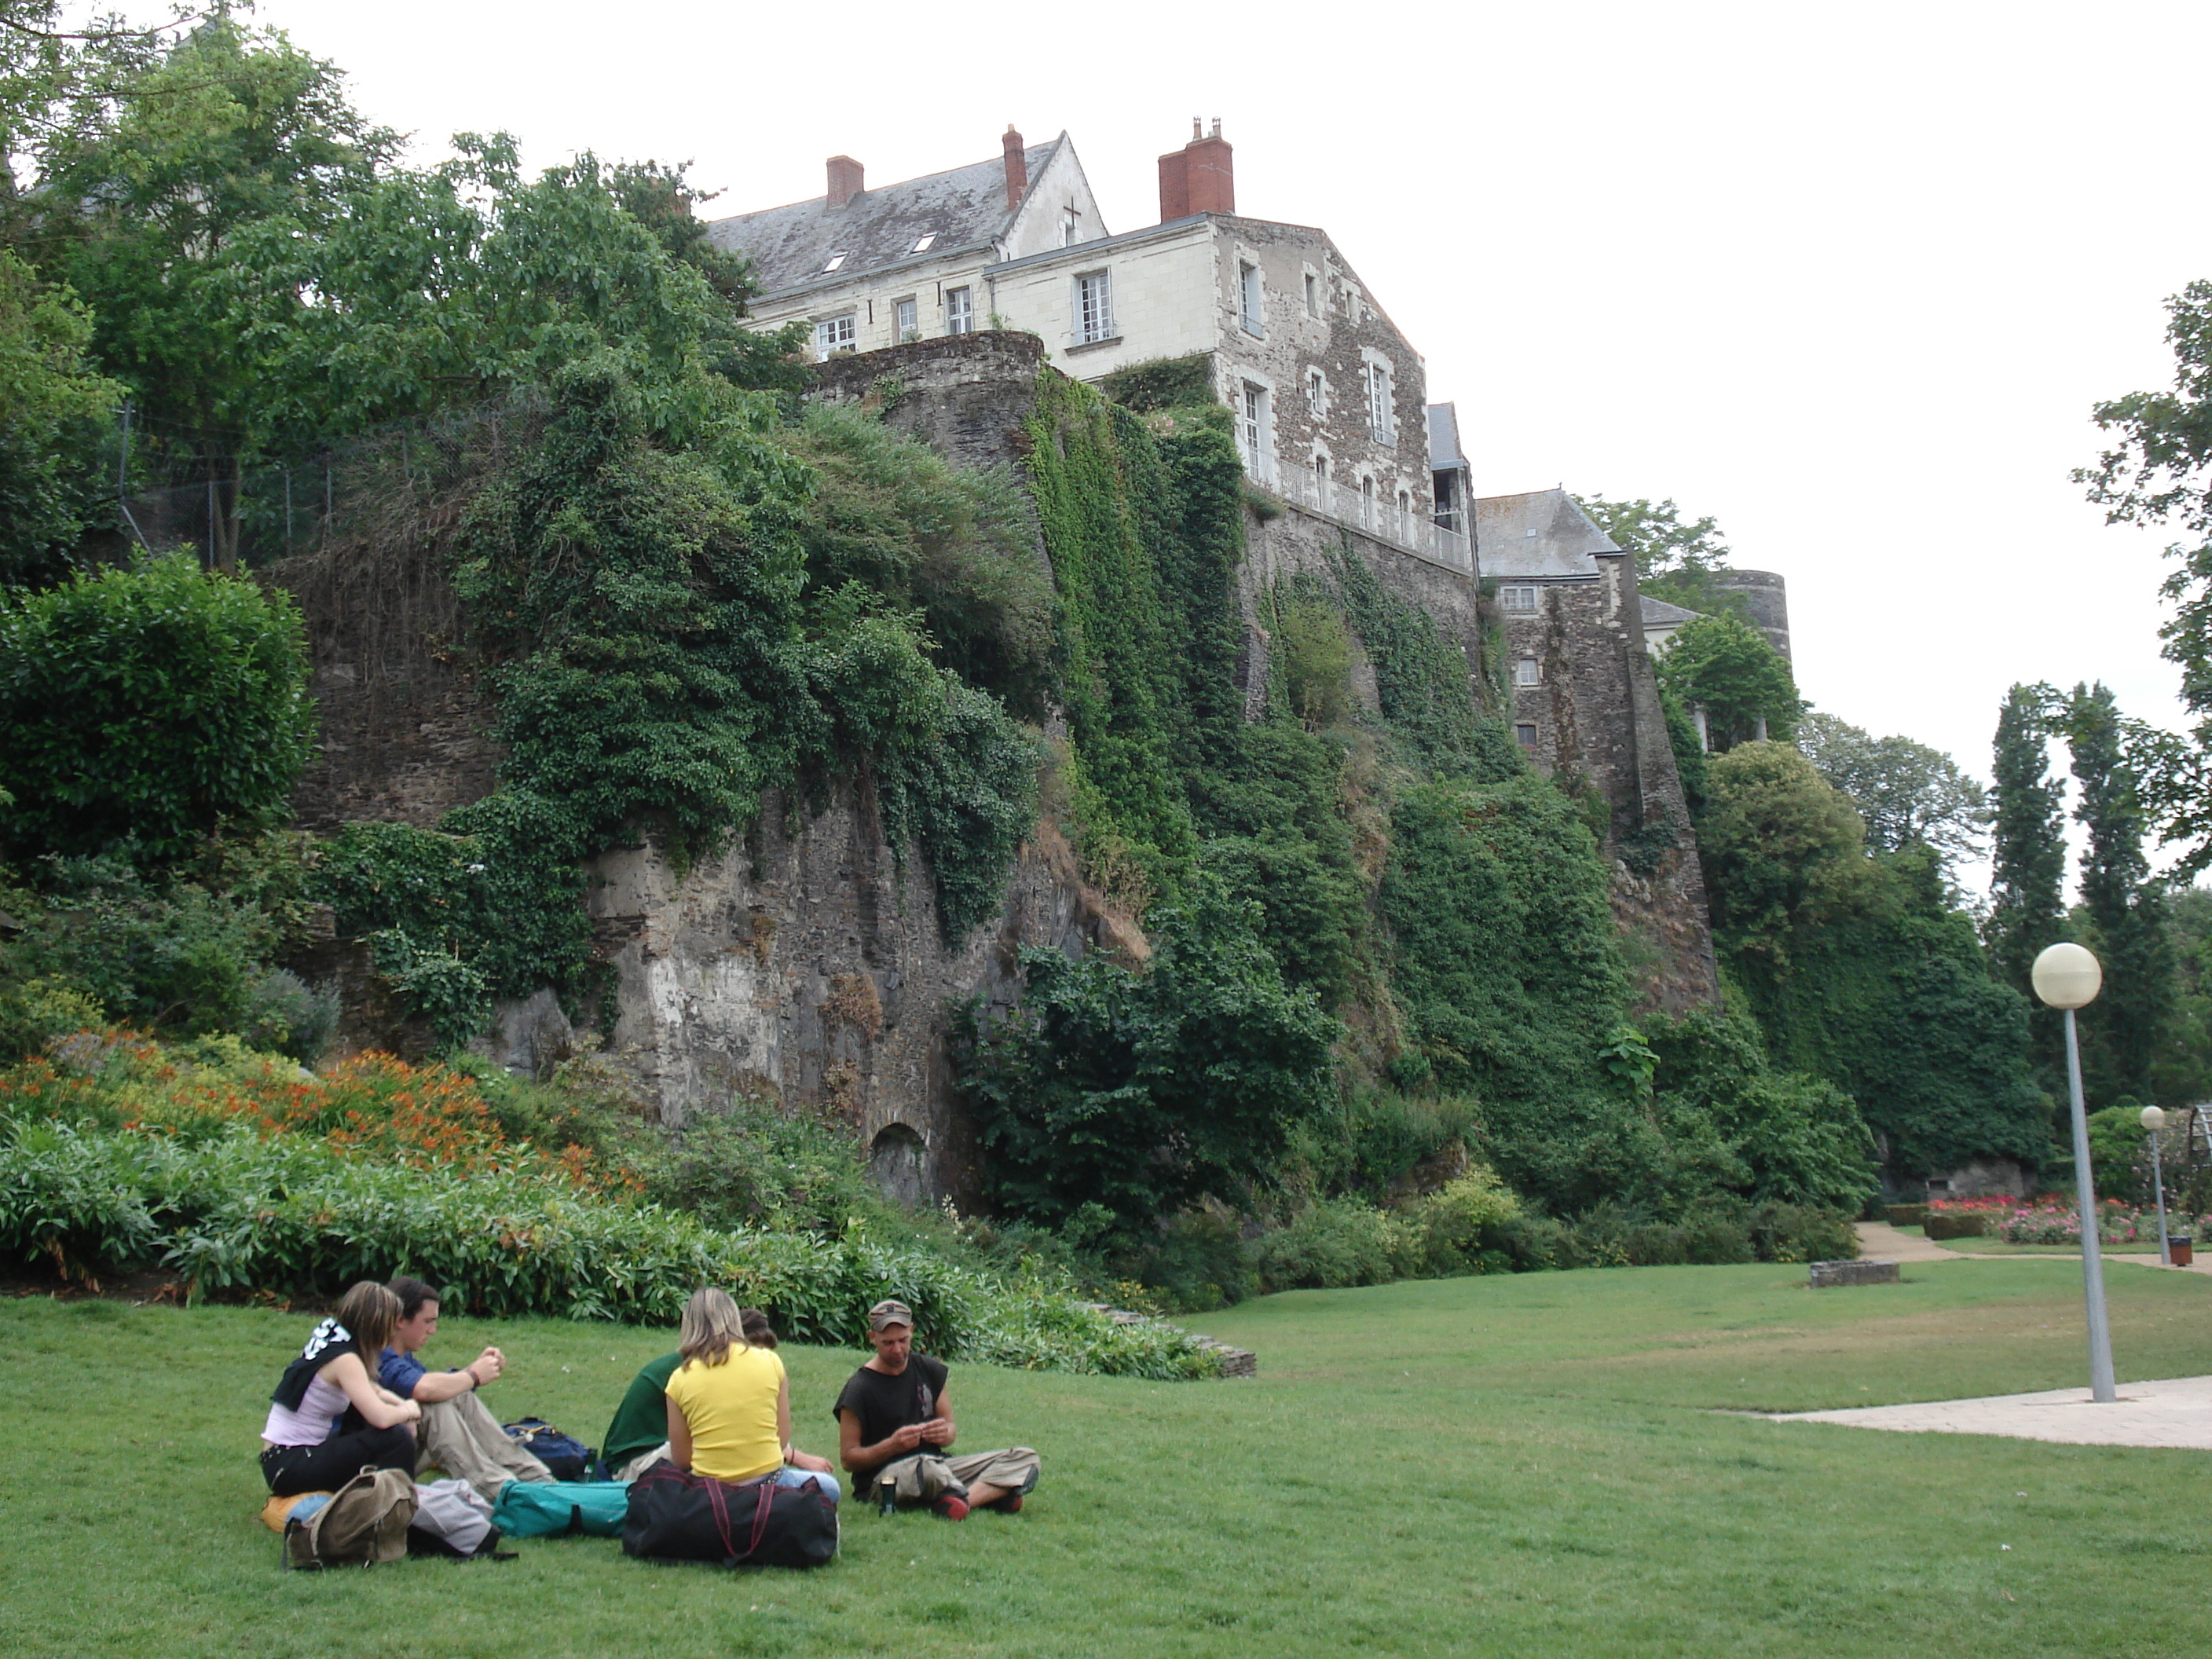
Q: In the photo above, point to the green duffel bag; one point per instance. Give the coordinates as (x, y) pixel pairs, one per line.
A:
(547, 1508)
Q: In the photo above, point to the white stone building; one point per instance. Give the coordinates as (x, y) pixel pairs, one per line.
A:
(1329, 398)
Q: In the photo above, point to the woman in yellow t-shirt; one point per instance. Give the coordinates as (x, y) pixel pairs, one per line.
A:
(729, 1403)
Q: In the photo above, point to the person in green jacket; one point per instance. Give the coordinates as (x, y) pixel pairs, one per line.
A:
(638, 1437)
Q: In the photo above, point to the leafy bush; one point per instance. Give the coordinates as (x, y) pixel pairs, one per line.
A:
(148, 707)
(1140, 1091)
(1941, 1224)
(1335, 1243)
(953, 542)
(168, 956)
(286, 1016)
(236, 1178)
(491, 907)
(1200, 1263)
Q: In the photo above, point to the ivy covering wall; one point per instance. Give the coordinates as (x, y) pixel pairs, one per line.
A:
(1396, 864)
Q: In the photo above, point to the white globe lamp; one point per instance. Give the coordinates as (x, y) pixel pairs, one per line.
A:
(2067, 976)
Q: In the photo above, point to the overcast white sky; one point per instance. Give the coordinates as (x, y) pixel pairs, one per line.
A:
(1846, 278)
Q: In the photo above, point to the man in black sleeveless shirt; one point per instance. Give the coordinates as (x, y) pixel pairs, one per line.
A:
(894, 1430)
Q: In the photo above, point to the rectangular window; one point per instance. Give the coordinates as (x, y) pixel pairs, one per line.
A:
(959, 310)
(1248, 297)
(1378, 405)
(1313, 295)
(921, 243)
(1525, 736)
(836, 260)
(1367, 503)
(1094, 308)
(904, 324)
(1518, 597)
(1528, 672)
(833, 335)
(1071, 227)
(1316, 391)
(1252, 433)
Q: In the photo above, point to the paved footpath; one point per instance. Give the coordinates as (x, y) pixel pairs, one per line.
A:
(1879, 1242)
(2176, 1413)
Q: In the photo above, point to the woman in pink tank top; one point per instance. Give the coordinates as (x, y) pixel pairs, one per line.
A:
(306, 1445)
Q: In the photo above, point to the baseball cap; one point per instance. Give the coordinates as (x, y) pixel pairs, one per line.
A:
(884, 1314)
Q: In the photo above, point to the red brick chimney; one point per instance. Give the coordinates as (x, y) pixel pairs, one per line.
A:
(1017, 167)
(1200, 177)
(844, 181)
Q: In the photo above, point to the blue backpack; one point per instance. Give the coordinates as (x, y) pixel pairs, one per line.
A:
(545, 1508)
(566, 1457)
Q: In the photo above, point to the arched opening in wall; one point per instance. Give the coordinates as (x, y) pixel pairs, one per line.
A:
(898, 1163)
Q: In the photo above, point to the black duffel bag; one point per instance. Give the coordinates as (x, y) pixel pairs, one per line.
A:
(676, 1517)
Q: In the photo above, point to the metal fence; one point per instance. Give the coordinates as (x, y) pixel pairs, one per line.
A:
(270, 512)
(1384, 517)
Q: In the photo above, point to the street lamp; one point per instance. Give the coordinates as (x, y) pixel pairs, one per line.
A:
(2067, 978)
(2154, 1120)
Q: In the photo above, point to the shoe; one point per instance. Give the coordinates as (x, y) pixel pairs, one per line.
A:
(1010, 1504)
(949, 1508)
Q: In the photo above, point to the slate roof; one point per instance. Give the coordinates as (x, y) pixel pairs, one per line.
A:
(877, 228)
(1658, 613)
(1541, 534)
(1445, 452)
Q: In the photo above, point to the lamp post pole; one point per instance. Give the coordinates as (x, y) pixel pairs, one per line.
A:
(2154, 1120)
(2093, 1259)
(2068, 977)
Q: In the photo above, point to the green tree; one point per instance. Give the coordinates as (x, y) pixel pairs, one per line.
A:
(2159, 470)
(1783, 850)
(1725, 666)
(149, 707)
(2124, 906)
(2181, 1070)
(2028, 861)
(168, 198)
(50, 405)
(1907, 793)
(1675, 560)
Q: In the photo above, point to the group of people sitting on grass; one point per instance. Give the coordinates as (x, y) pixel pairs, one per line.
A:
(358, 1397)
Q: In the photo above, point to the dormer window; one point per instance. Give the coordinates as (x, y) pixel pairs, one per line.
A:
(921, 243)
(836, 260)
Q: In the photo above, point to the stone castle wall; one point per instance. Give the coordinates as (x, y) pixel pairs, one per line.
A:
(1593, 721)
(797, 964)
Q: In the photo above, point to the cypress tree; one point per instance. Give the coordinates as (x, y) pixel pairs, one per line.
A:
(2028, 856)
(2125, 907)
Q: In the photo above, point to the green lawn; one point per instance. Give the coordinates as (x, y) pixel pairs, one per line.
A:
(1511, 1466)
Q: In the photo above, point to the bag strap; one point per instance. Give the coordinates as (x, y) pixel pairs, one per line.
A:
(761, 1507)
(721, 1505)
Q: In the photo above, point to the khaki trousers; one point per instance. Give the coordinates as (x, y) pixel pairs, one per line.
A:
(461, 1437)
(924, 1479)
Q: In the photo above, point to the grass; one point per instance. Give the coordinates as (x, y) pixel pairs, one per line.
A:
(1498, 1466)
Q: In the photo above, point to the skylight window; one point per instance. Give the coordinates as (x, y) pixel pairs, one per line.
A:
(836, 260)
(921, 243)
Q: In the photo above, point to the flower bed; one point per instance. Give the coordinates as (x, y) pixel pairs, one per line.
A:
(2053, 1218)
(238, 1176)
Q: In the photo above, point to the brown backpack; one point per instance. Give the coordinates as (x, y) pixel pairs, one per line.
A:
(366, 1521)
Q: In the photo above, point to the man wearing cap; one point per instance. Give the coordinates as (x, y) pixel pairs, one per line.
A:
(895, 1425)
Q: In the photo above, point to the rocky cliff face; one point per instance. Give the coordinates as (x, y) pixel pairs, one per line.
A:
(799, 962)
